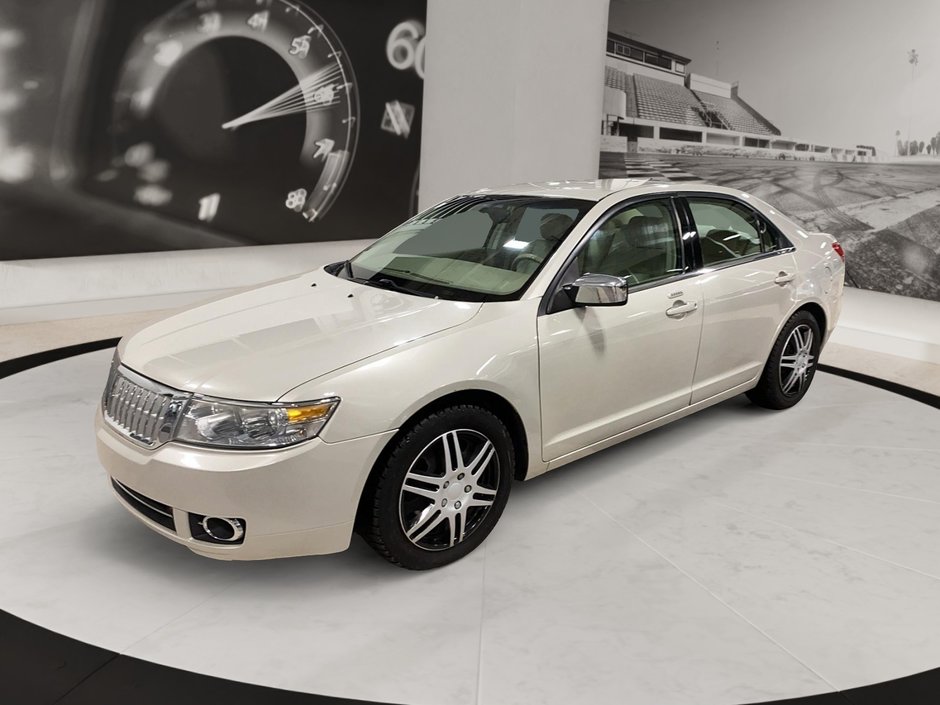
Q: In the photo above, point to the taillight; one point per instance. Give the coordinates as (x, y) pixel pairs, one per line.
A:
(839, 251)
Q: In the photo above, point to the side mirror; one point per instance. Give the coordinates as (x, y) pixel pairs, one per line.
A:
(597, 290)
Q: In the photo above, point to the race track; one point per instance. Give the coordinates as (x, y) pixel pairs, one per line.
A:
(887, 216)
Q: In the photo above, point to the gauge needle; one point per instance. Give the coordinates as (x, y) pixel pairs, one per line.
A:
(315, 92)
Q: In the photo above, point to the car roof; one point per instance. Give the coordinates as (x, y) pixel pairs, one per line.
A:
(602, 188)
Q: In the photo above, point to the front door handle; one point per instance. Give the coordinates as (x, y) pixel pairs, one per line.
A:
(784, 278)
(681, 308)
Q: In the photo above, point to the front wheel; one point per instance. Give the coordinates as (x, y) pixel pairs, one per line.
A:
(441, 490)
(792, 364)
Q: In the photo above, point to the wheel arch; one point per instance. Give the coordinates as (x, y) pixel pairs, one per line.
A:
(815, 308)
(491, 401)
(817, 311)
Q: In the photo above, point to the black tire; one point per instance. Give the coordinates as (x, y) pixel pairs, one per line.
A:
(422, 451)
(774, 390)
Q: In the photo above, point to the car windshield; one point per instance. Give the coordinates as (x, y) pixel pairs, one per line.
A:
(470, 248)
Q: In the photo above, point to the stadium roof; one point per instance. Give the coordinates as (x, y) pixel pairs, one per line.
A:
(648, 47)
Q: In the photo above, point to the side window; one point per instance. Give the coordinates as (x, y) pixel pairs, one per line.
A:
(729, 230)
(640, 243)
(768, 235)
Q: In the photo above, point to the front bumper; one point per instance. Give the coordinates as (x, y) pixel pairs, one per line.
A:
(294, 501)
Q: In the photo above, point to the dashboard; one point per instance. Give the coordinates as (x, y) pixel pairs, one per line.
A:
(168, 124)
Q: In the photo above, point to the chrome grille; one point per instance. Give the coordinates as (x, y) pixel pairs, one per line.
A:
(141, 409)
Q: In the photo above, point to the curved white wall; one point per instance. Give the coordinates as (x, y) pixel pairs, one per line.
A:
(513, 93)
(72, 287)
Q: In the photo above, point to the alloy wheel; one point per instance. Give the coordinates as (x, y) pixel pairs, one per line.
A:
(796, 361)
(449, 489)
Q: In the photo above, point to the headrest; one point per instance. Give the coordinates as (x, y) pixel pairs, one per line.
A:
(554, 225)
(643, 228)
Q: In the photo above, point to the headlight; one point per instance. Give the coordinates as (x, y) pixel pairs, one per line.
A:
(213, 422)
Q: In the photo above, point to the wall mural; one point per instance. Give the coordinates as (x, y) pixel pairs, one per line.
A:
(828, 109)
(169, 124)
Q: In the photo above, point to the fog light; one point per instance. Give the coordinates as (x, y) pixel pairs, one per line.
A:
(222, 529)
(213, 529)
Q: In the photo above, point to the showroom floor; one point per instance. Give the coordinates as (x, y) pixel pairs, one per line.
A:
(736, 556)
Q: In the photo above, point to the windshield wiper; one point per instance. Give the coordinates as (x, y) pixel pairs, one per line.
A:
(381, 283)
(389, 284)
(395, 286)
(415, 275)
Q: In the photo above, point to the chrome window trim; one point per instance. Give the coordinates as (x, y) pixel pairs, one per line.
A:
(667, 280)
(727, 264)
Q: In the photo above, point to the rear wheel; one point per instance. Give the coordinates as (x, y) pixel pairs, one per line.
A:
(441, 490)
(792, 364)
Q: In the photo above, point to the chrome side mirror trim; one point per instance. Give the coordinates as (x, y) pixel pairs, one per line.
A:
(598, 290)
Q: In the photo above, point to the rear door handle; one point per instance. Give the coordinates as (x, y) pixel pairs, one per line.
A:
(784, 278)
(680, 309)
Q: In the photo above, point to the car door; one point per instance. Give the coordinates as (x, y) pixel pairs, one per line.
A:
(605, 370)
(747, 278)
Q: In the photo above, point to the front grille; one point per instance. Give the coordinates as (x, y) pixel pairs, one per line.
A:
(150, 508)
(141, 409)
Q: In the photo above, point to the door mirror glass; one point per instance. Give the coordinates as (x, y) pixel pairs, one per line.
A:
(598, 290)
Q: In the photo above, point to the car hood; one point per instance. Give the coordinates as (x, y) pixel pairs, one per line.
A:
(259, 344)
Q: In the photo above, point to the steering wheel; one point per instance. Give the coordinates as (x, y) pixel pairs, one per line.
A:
(526, 257)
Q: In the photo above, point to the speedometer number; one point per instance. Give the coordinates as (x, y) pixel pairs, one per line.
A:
(300, 46)
(296, 199)
(404, 48)
(325, 95)
(210, 22)
(168, 52)
(209, 206)
(259, 21)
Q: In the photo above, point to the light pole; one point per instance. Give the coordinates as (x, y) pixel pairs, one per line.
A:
(912, 59)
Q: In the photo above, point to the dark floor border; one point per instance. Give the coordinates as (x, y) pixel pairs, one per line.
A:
(26, 362)
(41, 667)
(910, 392)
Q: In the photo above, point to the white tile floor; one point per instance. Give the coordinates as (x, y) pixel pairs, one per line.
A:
(736, 556)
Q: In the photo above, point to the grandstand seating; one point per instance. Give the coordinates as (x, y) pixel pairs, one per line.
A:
(663, 101)
(618, 79)
(624, 82)
(666, 102)
(737, 115)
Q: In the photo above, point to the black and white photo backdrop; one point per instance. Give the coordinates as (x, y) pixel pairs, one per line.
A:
(828, 109)
(181, 124)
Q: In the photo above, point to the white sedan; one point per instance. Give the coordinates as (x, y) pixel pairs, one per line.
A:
(491, 338)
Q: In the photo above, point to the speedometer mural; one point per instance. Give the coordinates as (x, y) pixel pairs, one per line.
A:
(269, 120)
